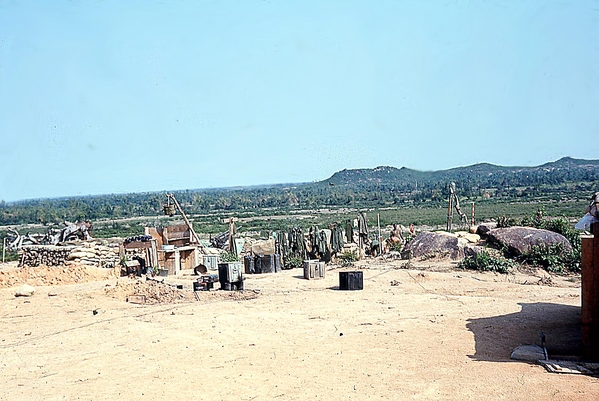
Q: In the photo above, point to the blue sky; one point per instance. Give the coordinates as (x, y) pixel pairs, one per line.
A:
(112, 96)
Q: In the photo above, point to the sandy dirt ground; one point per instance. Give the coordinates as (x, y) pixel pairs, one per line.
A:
(429, 333)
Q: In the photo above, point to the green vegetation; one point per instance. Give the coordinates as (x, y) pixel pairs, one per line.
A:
(294, 262)
(484, 261)
(348, 258)
(229, 257)
(560, 186)
(9, 256)
(553, 258)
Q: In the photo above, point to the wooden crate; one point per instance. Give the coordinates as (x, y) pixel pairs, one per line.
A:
(314, 269)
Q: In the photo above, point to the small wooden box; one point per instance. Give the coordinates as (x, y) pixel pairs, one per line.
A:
(314, 269)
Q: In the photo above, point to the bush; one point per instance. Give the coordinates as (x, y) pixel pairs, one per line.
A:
(553, 258)
(294, 261)
(505, 221)
(229, 257)
(348, 258)
(484, 261)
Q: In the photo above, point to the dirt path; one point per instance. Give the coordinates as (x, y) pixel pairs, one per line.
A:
(409, 334)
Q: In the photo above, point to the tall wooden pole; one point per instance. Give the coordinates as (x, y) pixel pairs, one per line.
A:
(191, 230)
(378, 218)
(450, 210)
(3, 249)
(472, 213)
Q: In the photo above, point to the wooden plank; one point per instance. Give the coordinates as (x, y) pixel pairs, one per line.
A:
(138, 245)
(136, 299)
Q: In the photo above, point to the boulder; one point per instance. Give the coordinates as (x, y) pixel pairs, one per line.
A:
(473, 250)
(472, 238)
(484, 228)
(438, 243)
(520, 240)
(25, 291)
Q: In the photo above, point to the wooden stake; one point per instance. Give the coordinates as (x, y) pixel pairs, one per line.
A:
(472, 213)
(3, 249)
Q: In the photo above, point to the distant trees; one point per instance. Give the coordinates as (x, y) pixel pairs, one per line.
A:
(349, 188)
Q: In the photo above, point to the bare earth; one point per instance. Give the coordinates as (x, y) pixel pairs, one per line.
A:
(430, 334)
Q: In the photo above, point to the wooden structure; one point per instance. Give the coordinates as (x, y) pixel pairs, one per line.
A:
(590, 294)
(150, 247)
(175, 251)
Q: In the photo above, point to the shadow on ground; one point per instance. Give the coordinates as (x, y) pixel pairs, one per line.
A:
(496, 337)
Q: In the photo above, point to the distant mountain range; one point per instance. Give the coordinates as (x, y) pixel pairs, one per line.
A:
(479, 175)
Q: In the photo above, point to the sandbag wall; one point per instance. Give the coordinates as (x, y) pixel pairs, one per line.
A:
(87, 253)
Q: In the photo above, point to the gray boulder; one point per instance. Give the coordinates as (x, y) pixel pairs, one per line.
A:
(520, 240)
(441, 244)
(473, 250)
(484, 228)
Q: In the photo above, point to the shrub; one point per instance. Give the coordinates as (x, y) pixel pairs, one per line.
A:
(229, 257)
(348, 258)
(294, 261)
(484, 261)
(505, 221)
(553, 258)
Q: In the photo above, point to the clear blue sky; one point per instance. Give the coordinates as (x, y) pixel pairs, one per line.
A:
(112, 96)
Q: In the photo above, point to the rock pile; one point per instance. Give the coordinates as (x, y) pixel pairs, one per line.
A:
(47, 255)
(88, 253)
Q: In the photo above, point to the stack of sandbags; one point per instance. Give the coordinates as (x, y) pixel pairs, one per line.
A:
(94, 254)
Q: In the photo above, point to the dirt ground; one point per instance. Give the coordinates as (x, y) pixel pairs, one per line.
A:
(429, 332)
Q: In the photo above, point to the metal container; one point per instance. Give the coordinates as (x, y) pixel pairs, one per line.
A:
(351, 280)
(249, 264)
(277, 262)
(314, 269)
(267, 263)
(211, 261)
(230, 275)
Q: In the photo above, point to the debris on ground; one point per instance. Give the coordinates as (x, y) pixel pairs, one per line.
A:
(158, 292)
(155, 292)
(571, 367)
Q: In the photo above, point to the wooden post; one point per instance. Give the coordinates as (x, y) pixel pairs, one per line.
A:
(590, 294)
(472, 222)
(3, 249)
(378, 218)
(450, 211)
